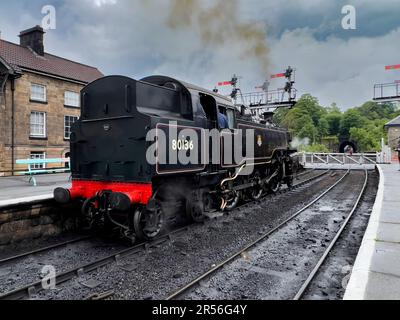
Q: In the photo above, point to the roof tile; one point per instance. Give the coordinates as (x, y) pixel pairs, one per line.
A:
(394, 123)
(20, 57)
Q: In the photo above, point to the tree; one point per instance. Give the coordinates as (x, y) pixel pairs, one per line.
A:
(295, 119)
(280, 115)
(316, 147)
(323, 127)
(308, 130)
(369, 137)
(333, 120)
(351, 119)
(311, 106)
(333, 108)
(374, 111)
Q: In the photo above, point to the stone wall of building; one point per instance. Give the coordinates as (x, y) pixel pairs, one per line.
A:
(54, 145)
(393, 136)
(5, 132)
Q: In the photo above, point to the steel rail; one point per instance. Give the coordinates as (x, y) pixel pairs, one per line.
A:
(317, 267)
(190, 285)
(33, 288)
(304, 173)
(48, 248)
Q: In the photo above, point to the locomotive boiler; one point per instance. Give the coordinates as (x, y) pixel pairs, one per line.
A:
(130, 153)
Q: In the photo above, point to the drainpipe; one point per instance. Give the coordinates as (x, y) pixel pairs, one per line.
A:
(12, 125)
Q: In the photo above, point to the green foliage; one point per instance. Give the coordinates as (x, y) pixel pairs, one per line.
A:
(310, 105)
(324, 126)
(333, 119)
(316, 147)
(280, 114)
(369, 137)
(351, 119)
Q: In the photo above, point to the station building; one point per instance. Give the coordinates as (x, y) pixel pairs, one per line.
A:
(393, 128)
(39, 100)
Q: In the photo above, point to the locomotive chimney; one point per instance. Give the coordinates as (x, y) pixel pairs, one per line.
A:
(33, 38)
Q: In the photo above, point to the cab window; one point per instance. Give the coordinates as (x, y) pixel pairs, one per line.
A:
(230, 114)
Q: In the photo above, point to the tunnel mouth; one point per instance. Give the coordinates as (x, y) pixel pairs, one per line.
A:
(344, 144)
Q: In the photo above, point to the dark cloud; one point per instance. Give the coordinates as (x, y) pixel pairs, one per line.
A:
(135, 38)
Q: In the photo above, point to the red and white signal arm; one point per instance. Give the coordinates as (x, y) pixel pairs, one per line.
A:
(393, 67)
(278, 75)
(224, 83)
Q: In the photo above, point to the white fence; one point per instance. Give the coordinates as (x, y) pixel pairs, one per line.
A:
(343, 160)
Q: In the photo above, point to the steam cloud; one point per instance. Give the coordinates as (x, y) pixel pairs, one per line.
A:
(199, 41)
(298, 143)
(219, 25)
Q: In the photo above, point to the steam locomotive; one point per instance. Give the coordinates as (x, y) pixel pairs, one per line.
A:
(120, 188)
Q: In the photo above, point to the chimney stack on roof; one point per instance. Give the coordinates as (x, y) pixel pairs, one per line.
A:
(33, 38)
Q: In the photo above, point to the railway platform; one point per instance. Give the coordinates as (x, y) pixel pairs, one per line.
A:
(17, 189)
(376, 272)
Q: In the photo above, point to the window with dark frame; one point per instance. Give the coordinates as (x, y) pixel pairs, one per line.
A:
(68, 122)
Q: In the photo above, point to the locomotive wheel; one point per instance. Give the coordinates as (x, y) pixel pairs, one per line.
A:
(194, 211)
(233, 201)
(275, 185)
(89, 213)
(289, 182)
(256, 191)
(148, 224)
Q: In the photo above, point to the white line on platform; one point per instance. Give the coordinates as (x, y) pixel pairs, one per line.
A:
(357, 286)
(10, 202)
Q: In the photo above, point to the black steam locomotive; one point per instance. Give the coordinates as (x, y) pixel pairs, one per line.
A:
(125, 122)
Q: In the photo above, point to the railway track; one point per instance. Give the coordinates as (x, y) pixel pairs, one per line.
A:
(206, 275)
(41, 250)
(306, 172)
(31, 290)
(321, 261)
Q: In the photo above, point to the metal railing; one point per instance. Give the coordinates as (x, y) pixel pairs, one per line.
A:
(387, 91)
(343, 160)
(37, 166)
(273, 98)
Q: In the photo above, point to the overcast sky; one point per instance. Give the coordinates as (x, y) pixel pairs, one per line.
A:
(207, 41)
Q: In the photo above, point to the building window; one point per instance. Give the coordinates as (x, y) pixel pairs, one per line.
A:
(38, 156)
(68, 121)
(71, 99)
(38, 124)
(38, 93)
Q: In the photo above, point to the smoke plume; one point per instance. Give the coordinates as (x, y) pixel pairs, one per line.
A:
(298, 143)
(219, 25)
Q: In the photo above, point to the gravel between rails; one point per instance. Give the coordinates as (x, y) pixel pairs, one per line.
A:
(277, 267)
(166, 267)
(331, 281)
(28, 269)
